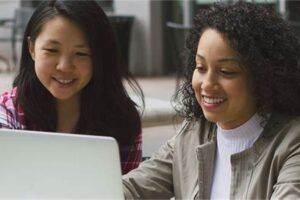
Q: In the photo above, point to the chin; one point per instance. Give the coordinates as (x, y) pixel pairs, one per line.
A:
(211, 117)
(61, 97)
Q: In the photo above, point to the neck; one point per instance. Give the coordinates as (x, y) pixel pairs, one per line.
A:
(68, 112)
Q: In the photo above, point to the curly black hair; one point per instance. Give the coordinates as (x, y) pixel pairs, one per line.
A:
(267, 47)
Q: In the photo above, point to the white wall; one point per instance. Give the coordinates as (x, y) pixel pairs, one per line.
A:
(7, 8)
(146, 50)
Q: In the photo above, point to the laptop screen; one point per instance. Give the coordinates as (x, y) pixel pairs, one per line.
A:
(56, 165)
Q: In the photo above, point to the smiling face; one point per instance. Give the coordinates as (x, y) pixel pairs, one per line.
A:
(62, 58)
(222, 87)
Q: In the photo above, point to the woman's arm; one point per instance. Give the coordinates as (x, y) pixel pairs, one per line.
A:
(288, 180)
(153, 178)
(8, 112)
(134, 155)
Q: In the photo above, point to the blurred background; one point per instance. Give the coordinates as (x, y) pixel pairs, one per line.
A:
(150, 34)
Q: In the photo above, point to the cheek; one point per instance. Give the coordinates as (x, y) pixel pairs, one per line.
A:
(196, 82)
(43, 67)
(44, 61)
(42, 75)
(41, 70)
(85, 68)
(83, 62)
(87, 73)
(238, 90)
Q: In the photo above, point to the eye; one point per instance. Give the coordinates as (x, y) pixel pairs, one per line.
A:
(228, 73)
(200, 68)
(82, 54)
(49, 50)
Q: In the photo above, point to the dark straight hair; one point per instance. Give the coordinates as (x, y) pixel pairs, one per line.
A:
(106, 108)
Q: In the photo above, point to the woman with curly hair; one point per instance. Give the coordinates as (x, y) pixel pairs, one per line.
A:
(240, 98)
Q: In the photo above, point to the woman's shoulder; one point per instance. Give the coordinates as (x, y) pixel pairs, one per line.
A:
(8, 98)
(11, 114)
(197, 129)
(283, 128)
(293, 124)
(286, 122)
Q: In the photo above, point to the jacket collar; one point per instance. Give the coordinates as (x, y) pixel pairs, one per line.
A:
(273, 126)
(206, 157)
(206, 151)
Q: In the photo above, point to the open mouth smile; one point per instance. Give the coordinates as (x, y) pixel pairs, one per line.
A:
(64, 81)
(212, 102)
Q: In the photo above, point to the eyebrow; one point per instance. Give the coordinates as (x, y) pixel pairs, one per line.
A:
(229, 59)
(52, 41)
(55, 42)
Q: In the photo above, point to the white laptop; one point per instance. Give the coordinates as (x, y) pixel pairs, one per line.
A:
(43, 165)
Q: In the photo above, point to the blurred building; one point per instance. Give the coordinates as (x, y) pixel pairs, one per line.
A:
(153, 48)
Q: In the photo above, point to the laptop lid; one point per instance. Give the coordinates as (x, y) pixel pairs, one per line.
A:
(56, 165)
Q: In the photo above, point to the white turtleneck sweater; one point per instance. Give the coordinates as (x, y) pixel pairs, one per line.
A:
(232, 141)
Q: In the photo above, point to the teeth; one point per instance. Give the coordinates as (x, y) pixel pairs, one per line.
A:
(213, 100)
(64, 81)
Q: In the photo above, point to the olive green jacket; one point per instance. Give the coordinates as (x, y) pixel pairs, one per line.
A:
(183, 167)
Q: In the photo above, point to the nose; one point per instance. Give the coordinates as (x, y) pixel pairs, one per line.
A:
(209, 82)
(65, 64)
